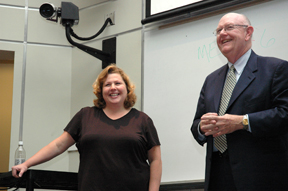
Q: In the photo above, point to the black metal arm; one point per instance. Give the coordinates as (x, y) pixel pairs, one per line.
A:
(103, 56)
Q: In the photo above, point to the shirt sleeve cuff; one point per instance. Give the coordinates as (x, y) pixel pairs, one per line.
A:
(201, 136)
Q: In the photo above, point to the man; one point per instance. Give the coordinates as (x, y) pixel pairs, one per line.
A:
(245, 129)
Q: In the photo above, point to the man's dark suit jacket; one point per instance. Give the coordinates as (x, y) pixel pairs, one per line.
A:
(259, 159)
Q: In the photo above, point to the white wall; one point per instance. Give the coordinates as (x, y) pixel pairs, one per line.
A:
(127, 30)
(48, 78)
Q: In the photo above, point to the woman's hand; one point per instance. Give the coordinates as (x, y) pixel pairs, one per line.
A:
(18, 170)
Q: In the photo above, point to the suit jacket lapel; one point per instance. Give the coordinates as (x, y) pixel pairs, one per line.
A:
(245, 79)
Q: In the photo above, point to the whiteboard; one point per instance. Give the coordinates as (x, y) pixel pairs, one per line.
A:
(158, 6)
(175, 64)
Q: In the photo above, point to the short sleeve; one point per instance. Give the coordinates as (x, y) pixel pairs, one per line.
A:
(74, 126)
(151, 134)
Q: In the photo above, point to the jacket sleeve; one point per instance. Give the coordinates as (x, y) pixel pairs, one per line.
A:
(274, 119)
(199, 112)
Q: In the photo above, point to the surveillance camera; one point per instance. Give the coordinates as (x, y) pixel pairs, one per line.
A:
(68, 12)
(48, 10)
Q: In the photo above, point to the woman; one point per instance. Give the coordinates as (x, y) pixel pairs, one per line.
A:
(114, 140)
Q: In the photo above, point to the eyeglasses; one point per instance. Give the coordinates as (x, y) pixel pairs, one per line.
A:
(227, 28)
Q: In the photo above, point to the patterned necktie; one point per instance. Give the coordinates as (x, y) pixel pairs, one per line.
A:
(220, 142)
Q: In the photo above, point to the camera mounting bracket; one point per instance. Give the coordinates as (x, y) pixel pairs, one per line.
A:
(108, 45)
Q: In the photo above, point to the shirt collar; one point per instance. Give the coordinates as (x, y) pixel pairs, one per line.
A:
(241, 62)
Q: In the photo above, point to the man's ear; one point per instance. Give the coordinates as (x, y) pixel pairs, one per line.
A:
(250, 31)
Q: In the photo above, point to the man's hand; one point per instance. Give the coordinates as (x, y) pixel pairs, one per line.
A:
(212, 124)
(207, 124)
